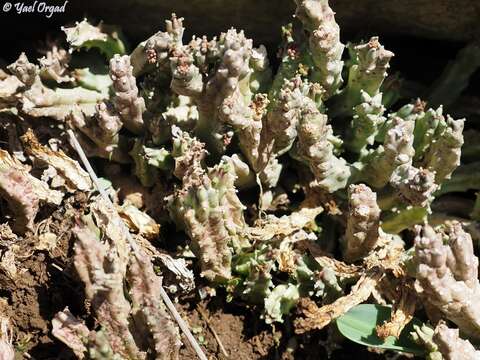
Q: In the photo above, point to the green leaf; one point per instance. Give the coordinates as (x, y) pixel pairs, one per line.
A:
(359, 325)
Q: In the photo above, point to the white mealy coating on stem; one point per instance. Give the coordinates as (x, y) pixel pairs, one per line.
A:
(447, 274)
(363, 222)
(324, 42)
(451, 346)
(314, 148)
(443, 154)
(54, 65)
(397, 150)
(37, 100)
(372, 62)
(414, 186)
(367, 119)
(129, 105)
(208, 206)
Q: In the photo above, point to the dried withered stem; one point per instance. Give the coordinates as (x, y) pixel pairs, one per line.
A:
(138, 221)
(70, 170)
(318, 318)
(272, 226)
(342, 270)
(374, 268)
(23, 192)
(402, 312)
(20, 196)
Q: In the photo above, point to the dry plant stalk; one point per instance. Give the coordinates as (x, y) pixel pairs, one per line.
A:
(318, 318)
(402, 312)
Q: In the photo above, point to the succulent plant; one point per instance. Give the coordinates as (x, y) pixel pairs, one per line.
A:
(202, 123)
